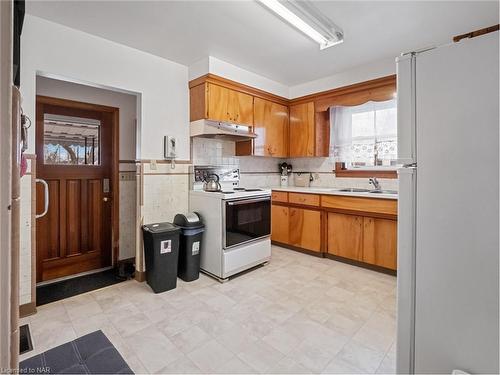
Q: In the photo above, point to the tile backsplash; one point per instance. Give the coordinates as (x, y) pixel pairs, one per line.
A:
(263, 171)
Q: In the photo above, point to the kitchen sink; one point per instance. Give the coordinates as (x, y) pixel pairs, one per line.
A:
(383, 191)
(355, 190)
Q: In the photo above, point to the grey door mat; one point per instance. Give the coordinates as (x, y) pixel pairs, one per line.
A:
(89, 354)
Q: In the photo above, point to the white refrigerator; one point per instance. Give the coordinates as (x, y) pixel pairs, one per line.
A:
(448, 223)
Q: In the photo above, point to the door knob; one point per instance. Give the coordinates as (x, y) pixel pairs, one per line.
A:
(106, 199)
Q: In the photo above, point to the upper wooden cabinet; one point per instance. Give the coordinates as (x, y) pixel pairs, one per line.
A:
(302, 130)
(240, 108)
(219, 103)
(271, 127)
(298, 127)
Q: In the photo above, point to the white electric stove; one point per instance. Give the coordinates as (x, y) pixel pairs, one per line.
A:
(237, 222)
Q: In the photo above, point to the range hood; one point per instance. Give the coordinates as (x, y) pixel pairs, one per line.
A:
(221, 130)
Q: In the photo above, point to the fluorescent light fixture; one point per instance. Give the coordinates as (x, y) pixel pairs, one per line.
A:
(306, 18)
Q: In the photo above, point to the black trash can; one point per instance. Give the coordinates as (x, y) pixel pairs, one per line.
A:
(190, 245)
(161, 252)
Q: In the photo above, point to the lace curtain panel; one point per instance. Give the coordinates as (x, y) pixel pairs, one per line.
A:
(364, 135)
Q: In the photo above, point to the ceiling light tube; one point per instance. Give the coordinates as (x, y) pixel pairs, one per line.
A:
(334, 37)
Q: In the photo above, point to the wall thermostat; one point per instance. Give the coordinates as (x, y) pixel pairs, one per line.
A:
(169, 147)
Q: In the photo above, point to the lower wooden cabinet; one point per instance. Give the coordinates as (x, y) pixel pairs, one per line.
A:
(380, 242)
(297, 227)
(345, 235)
(305, 229)
(280, 223)
(367, 239)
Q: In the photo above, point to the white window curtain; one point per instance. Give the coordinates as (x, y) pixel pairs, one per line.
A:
(364, 135)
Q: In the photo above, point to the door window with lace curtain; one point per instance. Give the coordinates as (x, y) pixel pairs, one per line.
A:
(365, 136)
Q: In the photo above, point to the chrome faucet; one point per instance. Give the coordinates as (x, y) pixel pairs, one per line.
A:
(375, 183)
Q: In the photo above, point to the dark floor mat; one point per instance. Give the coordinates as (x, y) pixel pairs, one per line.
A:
(78, 285)
(89, 354)
(25, 344)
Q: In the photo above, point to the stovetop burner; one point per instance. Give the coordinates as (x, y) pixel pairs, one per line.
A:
(246, 189)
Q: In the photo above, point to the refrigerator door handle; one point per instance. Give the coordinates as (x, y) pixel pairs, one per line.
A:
(406, 109)
(46, 198)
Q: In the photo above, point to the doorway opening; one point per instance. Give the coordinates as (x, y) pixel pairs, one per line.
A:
(77, 205)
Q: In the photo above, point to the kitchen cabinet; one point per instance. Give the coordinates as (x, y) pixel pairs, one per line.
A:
(280, 223)
(302, 130)
(305, 229)
(283, 129)
(304, 199)
(229, 105)
(380, 242)
(297, 227)
(240, 108)
(360, 229)
(345, 235)
(271, 127)
(367, 239)
(214, 102)
(279, 196)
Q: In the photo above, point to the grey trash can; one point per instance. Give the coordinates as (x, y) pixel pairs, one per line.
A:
(190, 245)
(161, 252)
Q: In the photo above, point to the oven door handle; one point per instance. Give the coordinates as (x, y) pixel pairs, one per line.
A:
(246, 201)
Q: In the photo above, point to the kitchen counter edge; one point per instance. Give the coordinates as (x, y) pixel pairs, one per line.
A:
(333, 191)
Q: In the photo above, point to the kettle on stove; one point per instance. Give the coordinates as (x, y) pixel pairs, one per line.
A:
(212, 183)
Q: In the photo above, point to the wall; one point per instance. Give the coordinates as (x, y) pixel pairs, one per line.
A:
(376, 69)
(321, 169)
(54, 50)
(210, 64)
(254, 171)
(127, 133)
(127, 103)
(50, 48)
(224, 69)
(258, 171)
(5, 185)
(161, 86)
(262, 171)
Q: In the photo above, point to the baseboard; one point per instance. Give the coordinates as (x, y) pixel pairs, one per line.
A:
(362, 264)
(126, 260)
(140, 276)
(27, 309)
(298, 249)
(337, 258)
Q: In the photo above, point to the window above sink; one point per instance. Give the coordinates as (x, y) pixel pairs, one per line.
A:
(365, 135)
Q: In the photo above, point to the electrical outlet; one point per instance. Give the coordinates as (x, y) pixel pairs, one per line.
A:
(152, 165)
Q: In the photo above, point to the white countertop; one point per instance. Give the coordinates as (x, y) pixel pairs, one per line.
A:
(333, 191)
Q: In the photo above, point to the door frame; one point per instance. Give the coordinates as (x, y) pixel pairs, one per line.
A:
(115, 141)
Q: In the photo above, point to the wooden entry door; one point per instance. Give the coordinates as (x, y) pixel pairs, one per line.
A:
(76, 150)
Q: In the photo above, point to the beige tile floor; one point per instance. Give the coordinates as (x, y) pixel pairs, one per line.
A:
(298, 314)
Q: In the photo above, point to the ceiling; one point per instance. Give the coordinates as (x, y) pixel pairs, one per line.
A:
(246, 34)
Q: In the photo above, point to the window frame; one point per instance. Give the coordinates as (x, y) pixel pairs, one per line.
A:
(342, 166)
(377, 90)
